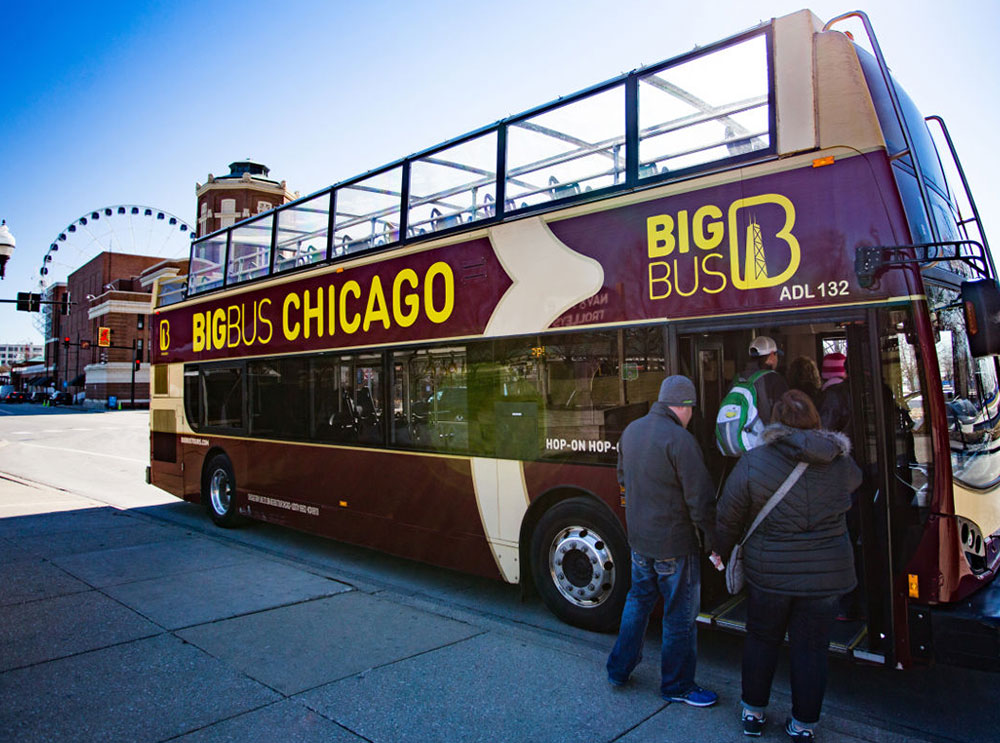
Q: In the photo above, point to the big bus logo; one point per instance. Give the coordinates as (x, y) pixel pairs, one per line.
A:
(755, 269)
(164, 335)
(684, 248)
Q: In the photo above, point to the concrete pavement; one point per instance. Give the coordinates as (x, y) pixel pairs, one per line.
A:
(118, 626)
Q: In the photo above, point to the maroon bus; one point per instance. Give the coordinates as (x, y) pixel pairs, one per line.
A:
(436, 359)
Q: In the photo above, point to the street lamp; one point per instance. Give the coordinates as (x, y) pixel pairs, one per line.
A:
(6, 246)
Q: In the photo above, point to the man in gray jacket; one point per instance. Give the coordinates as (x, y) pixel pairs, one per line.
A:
(670, 509)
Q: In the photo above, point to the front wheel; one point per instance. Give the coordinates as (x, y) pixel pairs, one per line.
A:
(218, 492)
(580, 564)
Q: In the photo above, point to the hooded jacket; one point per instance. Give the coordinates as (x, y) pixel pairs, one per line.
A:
(802, 547)
(669, 497)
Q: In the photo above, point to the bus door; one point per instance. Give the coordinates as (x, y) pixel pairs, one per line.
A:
(863, 628)
(712, 357)
(891, 444)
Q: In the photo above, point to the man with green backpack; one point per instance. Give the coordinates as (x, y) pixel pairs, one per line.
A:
(746, 408)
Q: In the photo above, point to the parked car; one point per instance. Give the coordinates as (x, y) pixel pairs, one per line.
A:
(14, 396)
(61, 398)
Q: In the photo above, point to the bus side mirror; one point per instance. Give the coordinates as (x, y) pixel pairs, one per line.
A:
(981, 303)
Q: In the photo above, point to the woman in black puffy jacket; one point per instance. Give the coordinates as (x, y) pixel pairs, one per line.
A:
(798, 562)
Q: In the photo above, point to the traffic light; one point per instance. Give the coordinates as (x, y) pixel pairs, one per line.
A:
(64, 305)
(66, 342)
(84, 345)
(29, 302)
(138, 361)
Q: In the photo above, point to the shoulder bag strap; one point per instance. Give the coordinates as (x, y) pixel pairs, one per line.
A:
(792, 478)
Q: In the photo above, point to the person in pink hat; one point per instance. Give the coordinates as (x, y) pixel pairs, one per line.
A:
(835, 415)
(835, 395)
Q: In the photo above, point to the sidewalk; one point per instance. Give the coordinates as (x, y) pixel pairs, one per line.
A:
(116, 626)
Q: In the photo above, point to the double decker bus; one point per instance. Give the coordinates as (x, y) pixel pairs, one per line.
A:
(437, 358)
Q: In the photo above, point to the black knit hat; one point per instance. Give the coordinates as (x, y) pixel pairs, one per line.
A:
(678, 391)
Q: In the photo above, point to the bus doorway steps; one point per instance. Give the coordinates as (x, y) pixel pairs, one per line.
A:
(847, 638)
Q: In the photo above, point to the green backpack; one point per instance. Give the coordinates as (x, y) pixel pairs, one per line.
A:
(738, 426)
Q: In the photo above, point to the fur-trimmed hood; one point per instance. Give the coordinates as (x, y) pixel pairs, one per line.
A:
(816, 446)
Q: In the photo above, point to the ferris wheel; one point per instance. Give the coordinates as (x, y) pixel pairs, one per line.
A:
(130, 229)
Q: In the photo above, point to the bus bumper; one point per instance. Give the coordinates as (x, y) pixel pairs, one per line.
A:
(966, 633)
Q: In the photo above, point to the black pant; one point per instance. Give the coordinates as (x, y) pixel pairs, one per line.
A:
(808, 621)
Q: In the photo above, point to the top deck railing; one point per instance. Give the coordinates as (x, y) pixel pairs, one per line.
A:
(706, 110)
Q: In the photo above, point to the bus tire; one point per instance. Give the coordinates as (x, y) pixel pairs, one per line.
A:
(580, 563)
(218, 492)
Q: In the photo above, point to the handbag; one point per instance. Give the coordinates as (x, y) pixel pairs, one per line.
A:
(734, 567)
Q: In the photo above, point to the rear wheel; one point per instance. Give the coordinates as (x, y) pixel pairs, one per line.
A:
(579, 560)
(218, 492)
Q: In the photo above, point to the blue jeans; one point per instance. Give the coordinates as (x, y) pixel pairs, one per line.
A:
(808, 621)
(678, 580)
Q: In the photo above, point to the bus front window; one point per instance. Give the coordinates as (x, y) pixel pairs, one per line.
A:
(970, 394)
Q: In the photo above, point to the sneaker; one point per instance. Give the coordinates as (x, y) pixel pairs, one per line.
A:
(753, 725)
(695, 697)
(794, 731)
(615, 682)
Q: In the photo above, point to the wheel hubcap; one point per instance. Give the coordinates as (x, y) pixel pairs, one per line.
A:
(220, 492)
(581, 566)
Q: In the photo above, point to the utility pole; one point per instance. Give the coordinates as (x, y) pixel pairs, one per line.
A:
(134, 357)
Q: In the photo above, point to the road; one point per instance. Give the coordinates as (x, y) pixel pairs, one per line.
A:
(329, 641)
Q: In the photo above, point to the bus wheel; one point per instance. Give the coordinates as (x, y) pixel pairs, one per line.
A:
(580, 563)
(218, 492)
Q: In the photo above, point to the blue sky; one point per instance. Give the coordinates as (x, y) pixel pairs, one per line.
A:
(111, 103)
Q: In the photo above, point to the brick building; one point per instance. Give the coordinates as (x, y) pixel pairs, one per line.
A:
(54, 354)
(112, 290)
(247, 190)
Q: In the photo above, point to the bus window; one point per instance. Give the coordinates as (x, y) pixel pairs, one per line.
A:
(453, 186)
(367, 212)
(970, 394)
(279, 397)
(431, 401)
(223, 396)
(570, 396)
(368, 397)
(907, 428)
(194, 398)
(207, 257)
(705, 109)
(347, 399)
(250, 250)
(336, 416)
(302, 233)
(565, 151)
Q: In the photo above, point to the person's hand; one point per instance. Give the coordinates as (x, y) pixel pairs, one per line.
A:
(717, 561)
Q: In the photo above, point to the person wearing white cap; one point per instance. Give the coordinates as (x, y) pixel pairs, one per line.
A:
(771, 386)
